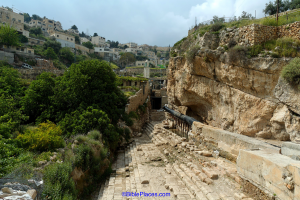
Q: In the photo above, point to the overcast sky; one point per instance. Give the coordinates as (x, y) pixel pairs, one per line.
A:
(152, 22)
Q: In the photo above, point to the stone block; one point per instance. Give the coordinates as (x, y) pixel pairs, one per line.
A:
(267, 171)
(290, 149)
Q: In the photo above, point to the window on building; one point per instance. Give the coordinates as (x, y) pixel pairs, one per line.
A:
(19, 21)
(22, 49)
(29, 51)
(18, 49)
(67, 38)
(57, 35)
(71, 39)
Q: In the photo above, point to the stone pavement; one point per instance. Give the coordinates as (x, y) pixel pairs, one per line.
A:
(161, 162)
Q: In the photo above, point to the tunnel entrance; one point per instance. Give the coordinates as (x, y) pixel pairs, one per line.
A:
(156, 103)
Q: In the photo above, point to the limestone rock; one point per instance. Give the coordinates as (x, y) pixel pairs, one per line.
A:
(32, 193)
(7, 190)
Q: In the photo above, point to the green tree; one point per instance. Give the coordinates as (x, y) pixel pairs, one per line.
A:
(82, 34)
(26, 27)
(27, 17)
(36, 31)
(155, 49)
(50, 53)
(77, 39)
(23, 39)
(9, 36)
(127, 58)
(56, 46)
(10, 81)
(74, 27)
(89, 83)
(36, 101)
(294, 4)
(8, 8)
(88, 45)
(95, 34)
(271, 8)
(66, 54)
(158, 54)
(36, 17)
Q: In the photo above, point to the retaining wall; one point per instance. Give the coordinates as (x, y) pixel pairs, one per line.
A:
(33, 73)
(138, 99)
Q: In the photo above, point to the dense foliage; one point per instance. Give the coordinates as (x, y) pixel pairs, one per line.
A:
(9, 36)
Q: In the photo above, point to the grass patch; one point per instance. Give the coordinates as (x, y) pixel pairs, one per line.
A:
(284, 47)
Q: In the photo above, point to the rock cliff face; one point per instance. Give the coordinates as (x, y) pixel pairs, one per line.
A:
(247, 97)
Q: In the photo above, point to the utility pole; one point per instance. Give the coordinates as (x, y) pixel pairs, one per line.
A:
(277, 11)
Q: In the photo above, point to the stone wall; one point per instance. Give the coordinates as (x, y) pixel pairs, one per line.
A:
(138, 99)
(6, 56)
(257, 34)
(33, 73)
(136, 71)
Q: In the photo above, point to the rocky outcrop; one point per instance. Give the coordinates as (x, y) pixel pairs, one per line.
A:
(247, 96)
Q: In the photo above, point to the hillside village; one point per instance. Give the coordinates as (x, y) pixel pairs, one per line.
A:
(38, 30)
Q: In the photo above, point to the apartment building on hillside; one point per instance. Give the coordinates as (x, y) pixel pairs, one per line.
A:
(107, 54)
(132, 45)
(66, 40)
(150, 54)
(99, 41)
(15, 20)
(47, 25)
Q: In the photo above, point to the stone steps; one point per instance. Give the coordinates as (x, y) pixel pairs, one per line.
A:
(197, 179)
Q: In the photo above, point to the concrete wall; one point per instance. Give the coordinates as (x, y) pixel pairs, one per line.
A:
(138, 99)
(136, 71)
(33, 73)
(65, 43)
(6, 56)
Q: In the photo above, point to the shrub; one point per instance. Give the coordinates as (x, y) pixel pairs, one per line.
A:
(191, 53)
(231, 43)
(82, 121)
(274, 55)
(127, 119)
(237, 53)
(255, 50)
(43, 138)
(173, 54)
(291, 72)
(58, 183)
(216, 27)
(83, 156)
(94, 134)
(133, 114)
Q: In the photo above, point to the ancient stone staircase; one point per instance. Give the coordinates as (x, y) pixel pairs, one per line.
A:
(166, 163)
(156, 115)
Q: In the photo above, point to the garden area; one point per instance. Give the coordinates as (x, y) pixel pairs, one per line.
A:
(55, 125)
